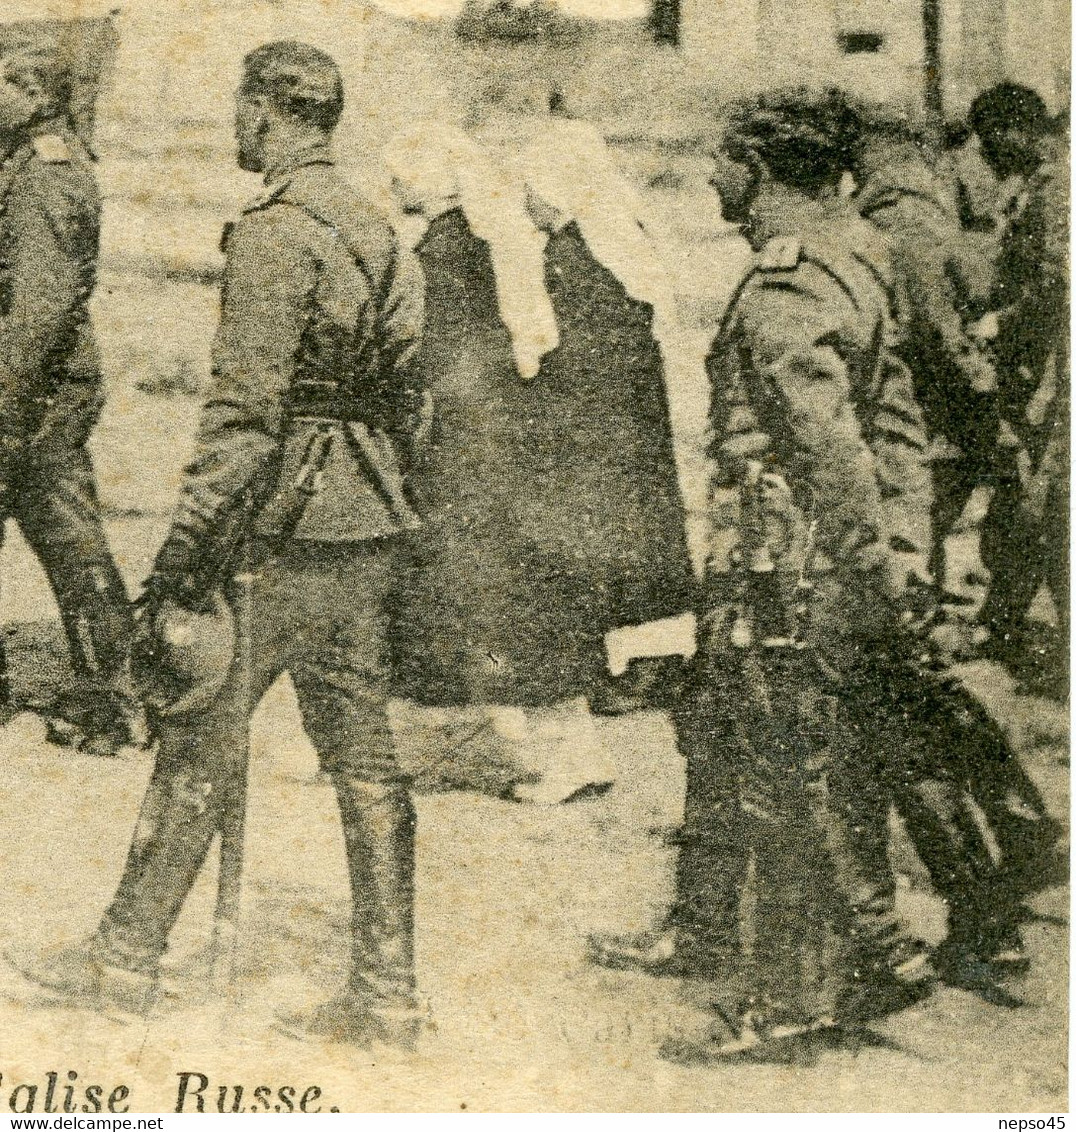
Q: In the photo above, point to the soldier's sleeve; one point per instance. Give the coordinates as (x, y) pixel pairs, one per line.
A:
(804, 399)
(53, 233)
(932, 268)
(269, 274)
(401, 327)
(1042, 285)
(902, 468)
(404, 315)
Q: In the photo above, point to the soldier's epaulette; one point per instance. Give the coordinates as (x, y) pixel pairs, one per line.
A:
(265, 199)
(782, 253)
(52, 149)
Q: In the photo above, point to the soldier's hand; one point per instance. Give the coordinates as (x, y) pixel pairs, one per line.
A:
(179, 587)
(987, 328)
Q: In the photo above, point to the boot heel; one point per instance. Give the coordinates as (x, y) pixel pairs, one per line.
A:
(399, 1026)
(127, 991)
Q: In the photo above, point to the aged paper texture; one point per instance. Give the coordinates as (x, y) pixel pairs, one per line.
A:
(535, 572)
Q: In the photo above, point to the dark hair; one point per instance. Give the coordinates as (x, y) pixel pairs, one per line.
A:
(956, 132)
(28, 64)
(1009, 106)
(806, 139)
(298, 80)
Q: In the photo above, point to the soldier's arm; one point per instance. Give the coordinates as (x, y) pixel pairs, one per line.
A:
(52, 235)
(402, 319)
(269, 274)
(935, 282)
(805, 402)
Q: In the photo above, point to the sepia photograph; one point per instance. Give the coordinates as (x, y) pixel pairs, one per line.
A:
(535, 560)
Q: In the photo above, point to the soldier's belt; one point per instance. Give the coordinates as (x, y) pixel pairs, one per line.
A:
(322, 400)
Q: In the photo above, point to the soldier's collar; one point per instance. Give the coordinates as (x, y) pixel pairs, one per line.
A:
(319, 153)
(279, 177)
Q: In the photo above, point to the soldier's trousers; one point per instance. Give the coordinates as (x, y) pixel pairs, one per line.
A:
(54, 501)
(767, 785)
(318, 613)
(912, 743)
(1022, 555)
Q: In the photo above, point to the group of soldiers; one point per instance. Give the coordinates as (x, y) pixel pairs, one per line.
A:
(857, 400)
(870, 344)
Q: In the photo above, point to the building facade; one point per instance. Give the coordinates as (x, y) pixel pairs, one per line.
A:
(888, 48)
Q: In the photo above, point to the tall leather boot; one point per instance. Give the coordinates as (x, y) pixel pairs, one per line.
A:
(983, 916)
(1026, 834)
(380, 1002)
(118, 966)
(178, 820)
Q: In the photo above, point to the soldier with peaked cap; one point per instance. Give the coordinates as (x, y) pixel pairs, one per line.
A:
(305, 434)
(50, 383)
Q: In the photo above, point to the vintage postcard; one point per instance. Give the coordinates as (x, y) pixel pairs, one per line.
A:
(535, 565)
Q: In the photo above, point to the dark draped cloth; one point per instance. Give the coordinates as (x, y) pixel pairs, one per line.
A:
(553, 508)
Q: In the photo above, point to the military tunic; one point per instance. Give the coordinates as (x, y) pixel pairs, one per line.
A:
(51, 393)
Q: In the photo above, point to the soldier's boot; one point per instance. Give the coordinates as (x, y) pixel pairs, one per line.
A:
(380, 1003)
(179, 818)
(983, 945)
(84, 975)
(982, 952)
(700, 936)
(118, 966)
(886, 968)
(1026, 834)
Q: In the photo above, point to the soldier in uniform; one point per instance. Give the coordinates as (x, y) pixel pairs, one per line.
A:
(50, 384)
(807, 665)
(1031, 300)
(945, 285)
(305, 434)
(821, 457)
